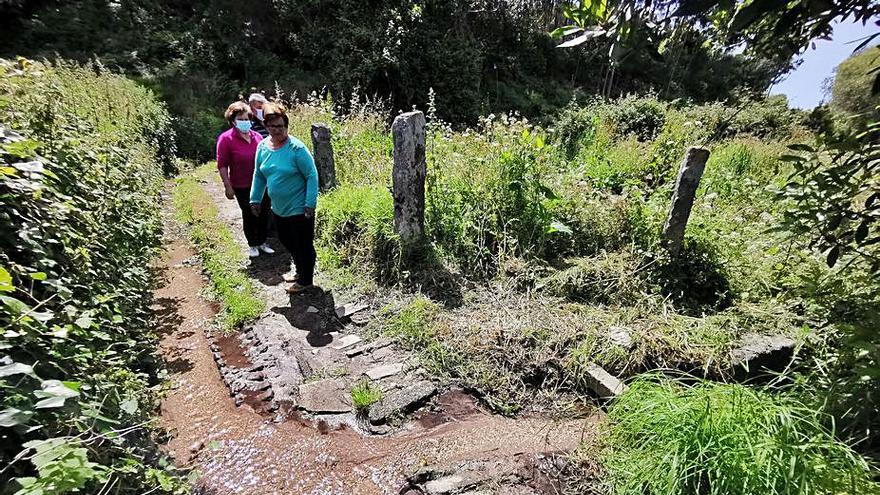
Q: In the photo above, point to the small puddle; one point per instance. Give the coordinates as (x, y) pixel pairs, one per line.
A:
(232, 352)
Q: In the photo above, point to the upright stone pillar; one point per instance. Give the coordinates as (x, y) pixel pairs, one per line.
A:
(324, 156)
(408, 175)
(686, 184)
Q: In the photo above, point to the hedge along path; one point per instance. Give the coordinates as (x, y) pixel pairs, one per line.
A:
(238, 450)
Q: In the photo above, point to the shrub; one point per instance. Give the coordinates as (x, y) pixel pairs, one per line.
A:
(80, 227)
(713, 438)
(642, 117)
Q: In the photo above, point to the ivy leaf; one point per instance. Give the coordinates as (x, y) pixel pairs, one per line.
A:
(54, 394)
(129, 405)
(38, 275)
(5, 281)
(16, 369)
(84, 322)
(11, 416)
(557, 226)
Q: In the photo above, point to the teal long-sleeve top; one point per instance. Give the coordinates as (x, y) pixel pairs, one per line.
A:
(289, 174)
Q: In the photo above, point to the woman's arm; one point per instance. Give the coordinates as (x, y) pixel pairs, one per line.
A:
(258, 184)
(306, 165)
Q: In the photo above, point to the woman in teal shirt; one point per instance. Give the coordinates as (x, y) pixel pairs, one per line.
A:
(284, 167)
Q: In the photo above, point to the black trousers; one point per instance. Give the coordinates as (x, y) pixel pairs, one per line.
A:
(255, 228)
(297, 235)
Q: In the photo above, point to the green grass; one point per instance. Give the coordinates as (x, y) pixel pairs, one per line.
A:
(222, 257)
(665, 437)
(364, 394)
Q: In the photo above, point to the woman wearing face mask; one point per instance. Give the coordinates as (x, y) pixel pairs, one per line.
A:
(256, 101)
(236, 149)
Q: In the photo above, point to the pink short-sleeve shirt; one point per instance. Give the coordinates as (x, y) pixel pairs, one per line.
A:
(235, 153)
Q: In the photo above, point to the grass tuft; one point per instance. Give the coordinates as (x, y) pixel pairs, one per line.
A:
(221, 255)
(713, 438)
(364, 394)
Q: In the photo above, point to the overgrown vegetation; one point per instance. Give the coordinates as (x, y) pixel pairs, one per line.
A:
(543, 250)
(221, 256)
(712, 438)
(80, 182)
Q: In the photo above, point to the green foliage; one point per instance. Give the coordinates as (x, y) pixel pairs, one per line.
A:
(63, 467)
(80, 224)
(834, 198)
(221, 255)
(712, 438)
(413, 324)
(853, 91)
(364, 394)
(200, 56)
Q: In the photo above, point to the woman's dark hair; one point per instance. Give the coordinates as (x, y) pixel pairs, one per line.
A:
(236, 108)
(274, 110)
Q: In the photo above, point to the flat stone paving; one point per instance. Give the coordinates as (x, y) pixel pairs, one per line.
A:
(306, 353)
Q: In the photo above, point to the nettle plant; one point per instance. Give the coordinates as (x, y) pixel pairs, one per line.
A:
(79, 187)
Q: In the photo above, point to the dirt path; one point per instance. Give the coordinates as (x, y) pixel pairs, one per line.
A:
(236, 450)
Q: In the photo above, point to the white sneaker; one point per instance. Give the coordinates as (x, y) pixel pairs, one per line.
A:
(266, 249)
(253, 252)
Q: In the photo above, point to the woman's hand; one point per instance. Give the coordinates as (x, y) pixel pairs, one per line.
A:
(255, 209)
(309, 212)
(230, 193)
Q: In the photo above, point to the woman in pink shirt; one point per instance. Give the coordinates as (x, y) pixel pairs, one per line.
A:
(235, 161)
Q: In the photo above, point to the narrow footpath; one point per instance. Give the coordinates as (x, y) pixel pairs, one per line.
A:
(447, 445)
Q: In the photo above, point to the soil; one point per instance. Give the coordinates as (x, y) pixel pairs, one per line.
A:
(245, 449)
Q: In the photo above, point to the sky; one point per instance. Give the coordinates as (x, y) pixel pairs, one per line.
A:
(803, 86)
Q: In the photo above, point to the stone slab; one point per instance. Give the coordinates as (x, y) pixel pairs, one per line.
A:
(347, 310)
(756, 352)
(329, 395)
(347, 341)
(384, 371)
(402, 401)
(603, 383)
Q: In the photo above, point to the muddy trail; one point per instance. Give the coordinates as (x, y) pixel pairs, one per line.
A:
(267, 409)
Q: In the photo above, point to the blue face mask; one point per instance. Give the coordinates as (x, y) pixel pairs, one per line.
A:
(243, 125)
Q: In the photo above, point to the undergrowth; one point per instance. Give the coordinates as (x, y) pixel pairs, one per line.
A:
(221, 256)
(82, 152)
(665, 437)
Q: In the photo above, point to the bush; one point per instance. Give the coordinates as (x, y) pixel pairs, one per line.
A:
(642, 117)
(80, 227)
(713, 438)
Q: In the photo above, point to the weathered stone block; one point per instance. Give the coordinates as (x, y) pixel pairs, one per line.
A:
(325, 396)
(603, 383)
(323, 153)
(683, 195)
(384, 371)
(408, 175)
(402, 401)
